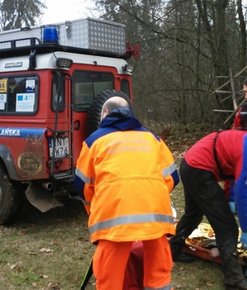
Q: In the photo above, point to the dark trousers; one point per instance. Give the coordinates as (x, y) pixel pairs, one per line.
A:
(204, 196)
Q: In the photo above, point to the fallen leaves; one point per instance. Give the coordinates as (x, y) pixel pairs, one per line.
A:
(53, 286)
(44, 276)
(45, 250)
(17, 266)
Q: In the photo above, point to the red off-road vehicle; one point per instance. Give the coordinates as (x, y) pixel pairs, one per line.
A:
(53, 82)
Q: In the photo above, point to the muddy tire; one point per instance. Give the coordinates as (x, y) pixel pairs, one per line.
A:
(9, 199)
(96, 106)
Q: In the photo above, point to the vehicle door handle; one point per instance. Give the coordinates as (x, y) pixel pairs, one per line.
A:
(76, 125)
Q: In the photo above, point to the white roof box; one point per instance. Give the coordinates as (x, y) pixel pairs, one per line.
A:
(89, 33)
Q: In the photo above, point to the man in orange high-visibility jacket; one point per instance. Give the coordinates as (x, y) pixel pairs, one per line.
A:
(128, 174)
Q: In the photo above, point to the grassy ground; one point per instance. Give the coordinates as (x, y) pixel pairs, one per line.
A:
(51, 251)
(45, 251)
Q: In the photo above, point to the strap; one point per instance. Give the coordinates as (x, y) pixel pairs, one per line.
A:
(87, 276)
(221, 173)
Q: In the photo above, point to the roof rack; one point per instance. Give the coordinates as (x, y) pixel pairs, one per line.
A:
(89, 35)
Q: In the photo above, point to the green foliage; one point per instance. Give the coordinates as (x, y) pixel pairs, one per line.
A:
(4, 255)
(26, 278)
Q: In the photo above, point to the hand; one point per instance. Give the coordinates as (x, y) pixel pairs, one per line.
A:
(232, 206)
(243, 240)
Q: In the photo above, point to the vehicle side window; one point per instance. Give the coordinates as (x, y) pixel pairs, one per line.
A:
(125, 87)
(18, 95)
(86, 86)
(58, 92)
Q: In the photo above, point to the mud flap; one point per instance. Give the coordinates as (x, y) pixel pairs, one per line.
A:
(41, 198)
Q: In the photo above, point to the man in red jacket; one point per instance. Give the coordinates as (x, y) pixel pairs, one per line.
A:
(217, 156)
(240, 119)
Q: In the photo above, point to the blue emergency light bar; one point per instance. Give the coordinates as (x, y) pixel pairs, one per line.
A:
(50, 35)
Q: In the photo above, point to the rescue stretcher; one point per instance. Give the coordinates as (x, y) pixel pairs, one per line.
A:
(202, 244)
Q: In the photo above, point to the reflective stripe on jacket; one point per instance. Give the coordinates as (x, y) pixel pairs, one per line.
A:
(128, 174)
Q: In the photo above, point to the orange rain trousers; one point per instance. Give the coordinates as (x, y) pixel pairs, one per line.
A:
(110, 260)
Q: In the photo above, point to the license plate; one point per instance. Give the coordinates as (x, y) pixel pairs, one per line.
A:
(61, 147)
